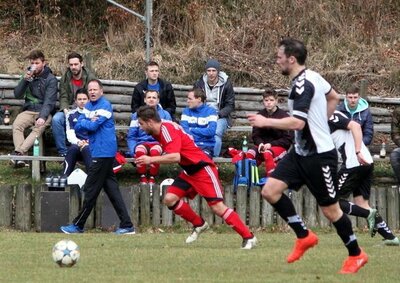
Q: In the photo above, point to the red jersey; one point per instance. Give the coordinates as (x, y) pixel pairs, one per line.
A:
(173, 139)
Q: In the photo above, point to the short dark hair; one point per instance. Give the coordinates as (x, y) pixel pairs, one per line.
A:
(81, 90)
(270, 92)
(353, 89)
(198, 93)
(147, 113)
(35, 54)
(152, 63)
(151, 90)
(74, 54)
(97, 81)
(296, 48)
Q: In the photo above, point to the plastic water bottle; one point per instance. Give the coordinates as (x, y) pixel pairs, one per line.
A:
(245, 147)
(6, 119)
(36, 147)
(382, 153)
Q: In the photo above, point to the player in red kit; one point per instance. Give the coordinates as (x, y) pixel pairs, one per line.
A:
(199, 176)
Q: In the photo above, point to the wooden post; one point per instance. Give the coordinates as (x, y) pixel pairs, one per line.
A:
(23, 207)
(145, 204)
(393, 207)
(135, 205)
(310, 208)
(156, 203)
(6, 205)
(297, 199)
(206, 212)
(37, 206)
(381, 201)
(75, 199)
(364, 89)
(241, 202)
(267, 216)
(166, 213)
(254, 207)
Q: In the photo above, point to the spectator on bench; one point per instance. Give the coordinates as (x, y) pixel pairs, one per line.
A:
(76, 77)
(357, 109)
(270, 144)
(200, 121)
(140, 143)
(153, 82)
(79, 140)
(39, 89)
(220, 95)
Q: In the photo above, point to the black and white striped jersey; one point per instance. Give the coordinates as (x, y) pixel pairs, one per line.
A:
(307, 101)
(344, 141)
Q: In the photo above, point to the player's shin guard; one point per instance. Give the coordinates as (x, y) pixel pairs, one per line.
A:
(232, 219)
(184, 210)
(286, 210)
(345, 232)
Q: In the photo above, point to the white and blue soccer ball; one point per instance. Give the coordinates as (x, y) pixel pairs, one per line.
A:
(66, 253)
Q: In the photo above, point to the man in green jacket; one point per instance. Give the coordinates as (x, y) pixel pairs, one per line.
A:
(76, 77)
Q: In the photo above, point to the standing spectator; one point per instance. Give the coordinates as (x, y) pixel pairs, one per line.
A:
(313, 162)
(199, 176)
(200, 121)
(270, 144)
(355, 175)
(220, 96)
(39, 89)
(395, 134)
(75, 77)
(140, 143)
(98, 120)
(153, 82)
(79, 140)
(357, 108)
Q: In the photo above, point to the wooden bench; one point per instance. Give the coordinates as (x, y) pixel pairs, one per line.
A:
(247, 100)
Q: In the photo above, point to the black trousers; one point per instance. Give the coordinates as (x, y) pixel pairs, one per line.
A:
(100, 176)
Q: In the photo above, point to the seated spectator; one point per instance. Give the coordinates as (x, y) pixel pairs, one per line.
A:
(200, 121)
(79, 149)
(140, 143)
(357, 109)
(220, 95)
(76, 77)
(39, 89)
(395, 134)
(270, 144)
(154, 82)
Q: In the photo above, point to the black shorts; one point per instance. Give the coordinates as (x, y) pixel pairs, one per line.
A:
(356, 181)
(318, 172)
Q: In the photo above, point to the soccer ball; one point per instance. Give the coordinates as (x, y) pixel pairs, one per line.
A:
(66, 253)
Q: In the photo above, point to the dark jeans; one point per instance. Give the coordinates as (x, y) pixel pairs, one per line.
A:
(100, 176)
(395, 162)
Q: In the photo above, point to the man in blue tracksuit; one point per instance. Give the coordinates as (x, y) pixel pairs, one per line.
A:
(357, 109)
(200, 121)
(98, 120)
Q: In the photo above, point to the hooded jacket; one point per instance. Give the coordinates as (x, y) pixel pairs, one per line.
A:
(40, 94)
(225, 94)
(201, 123)
(137, 136)
(102, 139)
(67, 96)
(362, 115)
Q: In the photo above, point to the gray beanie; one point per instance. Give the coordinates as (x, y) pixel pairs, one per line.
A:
(212, 63)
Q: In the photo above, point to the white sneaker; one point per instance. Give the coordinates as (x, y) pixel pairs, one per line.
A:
(248, 244)
(196, 232)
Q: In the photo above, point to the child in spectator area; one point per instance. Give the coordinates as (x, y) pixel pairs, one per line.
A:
(270, 144)
(200, 120)
(79, 140)
(140, 143)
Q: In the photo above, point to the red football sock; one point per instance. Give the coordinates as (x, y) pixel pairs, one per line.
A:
(186, 212)
(140, 169)
(232, 219)
(269, 162)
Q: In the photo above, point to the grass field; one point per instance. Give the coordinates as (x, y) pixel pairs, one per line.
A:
(164, 257)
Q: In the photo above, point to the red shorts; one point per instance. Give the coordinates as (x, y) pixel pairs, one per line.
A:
(204, 182)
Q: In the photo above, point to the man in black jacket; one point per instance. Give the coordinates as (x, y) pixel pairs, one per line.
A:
(39, 88)
(153, 82)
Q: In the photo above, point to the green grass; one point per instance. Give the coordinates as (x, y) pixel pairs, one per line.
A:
(164, 257)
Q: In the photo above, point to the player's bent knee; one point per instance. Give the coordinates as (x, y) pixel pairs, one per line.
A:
(170, 200)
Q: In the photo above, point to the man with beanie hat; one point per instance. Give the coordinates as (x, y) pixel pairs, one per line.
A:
(220, 95)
